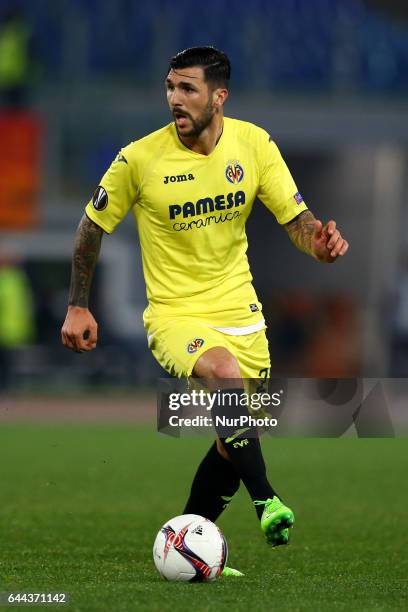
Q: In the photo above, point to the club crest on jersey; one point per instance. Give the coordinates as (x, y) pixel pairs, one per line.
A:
(195, 345)
(234, 172)
(100, 199)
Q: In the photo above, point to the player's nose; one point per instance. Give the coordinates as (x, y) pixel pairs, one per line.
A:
(174, 98)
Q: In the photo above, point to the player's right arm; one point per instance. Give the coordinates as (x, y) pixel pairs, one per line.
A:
(79, 331)
(113, 198)
(115, 195)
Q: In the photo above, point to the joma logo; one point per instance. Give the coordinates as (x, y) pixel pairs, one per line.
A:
(178, 178)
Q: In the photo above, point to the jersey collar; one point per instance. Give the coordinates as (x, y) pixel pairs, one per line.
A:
(183, 147)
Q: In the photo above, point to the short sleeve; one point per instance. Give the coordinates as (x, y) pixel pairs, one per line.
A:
(277, 189)
(115, 195)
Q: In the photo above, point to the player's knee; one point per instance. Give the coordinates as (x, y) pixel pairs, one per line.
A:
(225, 368)
(217, 363)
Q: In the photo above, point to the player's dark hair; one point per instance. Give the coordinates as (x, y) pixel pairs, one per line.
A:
(215, 63)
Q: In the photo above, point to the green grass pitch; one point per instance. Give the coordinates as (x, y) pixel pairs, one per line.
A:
(81, 505)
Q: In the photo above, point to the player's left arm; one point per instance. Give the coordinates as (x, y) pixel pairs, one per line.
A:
(324, 243)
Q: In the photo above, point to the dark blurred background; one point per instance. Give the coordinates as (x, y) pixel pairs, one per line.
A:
(327, 78)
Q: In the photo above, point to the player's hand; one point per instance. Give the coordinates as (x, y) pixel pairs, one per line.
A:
(80, 330)
(327, 242)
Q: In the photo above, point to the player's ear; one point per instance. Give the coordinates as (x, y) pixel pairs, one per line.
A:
(219, 96)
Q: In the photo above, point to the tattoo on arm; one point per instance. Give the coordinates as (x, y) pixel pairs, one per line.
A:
(301, 231)
(86, 250)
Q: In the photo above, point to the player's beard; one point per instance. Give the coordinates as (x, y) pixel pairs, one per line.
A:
(201, 123)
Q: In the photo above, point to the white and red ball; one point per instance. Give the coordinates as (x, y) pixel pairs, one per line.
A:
(190, 548)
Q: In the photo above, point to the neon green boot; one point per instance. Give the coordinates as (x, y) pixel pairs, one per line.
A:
(276, 521)
(230, 571)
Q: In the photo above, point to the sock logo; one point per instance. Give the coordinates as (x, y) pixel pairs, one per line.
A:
(241, 443)
(225, 499)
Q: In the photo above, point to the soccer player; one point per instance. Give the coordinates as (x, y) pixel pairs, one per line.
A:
(191, 186)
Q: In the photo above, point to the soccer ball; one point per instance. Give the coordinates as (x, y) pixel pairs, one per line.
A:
(190, 548)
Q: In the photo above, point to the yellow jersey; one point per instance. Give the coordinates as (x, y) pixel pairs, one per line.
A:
(190, 210)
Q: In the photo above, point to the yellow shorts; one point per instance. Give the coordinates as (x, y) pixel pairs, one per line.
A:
(178, 343)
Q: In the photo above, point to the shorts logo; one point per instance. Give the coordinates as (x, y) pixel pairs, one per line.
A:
(298, 198)
(253, 308)
(100, 199)
(234, 172)
(195, 345)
